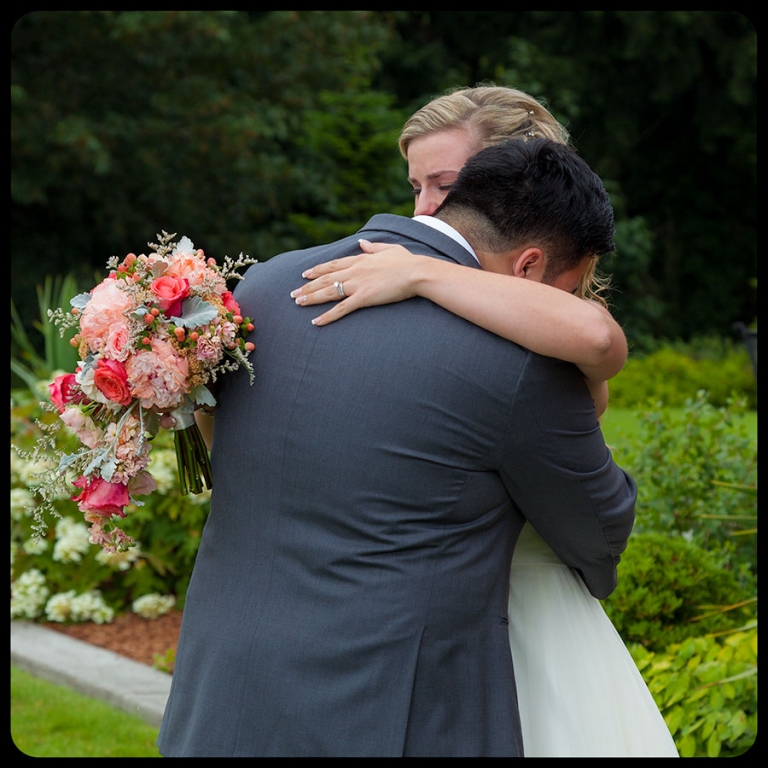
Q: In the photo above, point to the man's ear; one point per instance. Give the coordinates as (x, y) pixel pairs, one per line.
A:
(530, 263)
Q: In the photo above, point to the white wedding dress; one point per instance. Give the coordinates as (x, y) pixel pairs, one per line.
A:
(580, 692)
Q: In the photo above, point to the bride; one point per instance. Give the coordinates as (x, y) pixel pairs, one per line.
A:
(580, 693)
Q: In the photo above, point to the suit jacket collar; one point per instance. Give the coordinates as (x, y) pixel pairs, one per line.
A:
(416, 230)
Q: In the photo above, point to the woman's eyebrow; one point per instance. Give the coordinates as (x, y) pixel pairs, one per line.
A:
(433, 175)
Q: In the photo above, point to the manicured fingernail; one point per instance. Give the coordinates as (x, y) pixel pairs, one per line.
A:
(306, 273)
(301, 300)
(293, 293)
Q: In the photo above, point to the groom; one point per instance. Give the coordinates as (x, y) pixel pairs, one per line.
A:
(349, 596)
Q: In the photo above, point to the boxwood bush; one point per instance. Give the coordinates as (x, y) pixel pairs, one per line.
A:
(671, 373)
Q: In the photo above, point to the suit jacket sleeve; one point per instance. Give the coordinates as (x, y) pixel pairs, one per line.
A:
(561, 474)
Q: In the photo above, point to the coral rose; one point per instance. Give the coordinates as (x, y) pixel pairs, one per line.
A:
(171, 292)
(111, 379)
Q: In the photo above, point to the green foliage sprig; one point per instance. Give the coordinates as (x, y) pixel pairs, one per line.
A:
(706, 689)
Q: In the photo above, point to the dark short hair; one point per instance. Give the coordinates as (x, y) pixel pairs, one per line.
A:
(538, 193)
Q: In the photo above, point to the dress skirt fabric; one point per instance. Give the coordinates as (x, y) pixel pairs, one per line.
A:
(580, 692)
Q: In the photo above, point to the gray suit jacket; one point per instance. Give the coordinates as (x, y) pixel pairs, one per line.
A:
(350, 592)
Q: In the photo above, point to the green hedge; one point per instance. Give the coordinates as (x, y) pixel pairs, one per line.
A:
(696, 472)
(674, 373)
(671, 589)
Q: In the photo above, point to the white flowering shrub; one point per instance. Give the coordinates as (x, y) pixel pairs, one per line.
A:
(72, 541)
(59, 607)
(154, 605)
(90, 606)
(28, 595)
(22, 501)
(61, 576)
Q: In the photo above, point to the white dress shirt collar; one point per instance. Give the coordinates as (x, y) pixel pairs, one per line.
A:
(447, 229)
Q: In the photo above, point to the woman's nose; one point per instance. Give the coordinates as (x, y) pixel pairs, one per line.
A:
(427, 202)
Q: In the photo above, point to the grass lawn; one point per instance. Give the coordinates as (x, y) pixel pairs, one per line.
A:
(50, 720)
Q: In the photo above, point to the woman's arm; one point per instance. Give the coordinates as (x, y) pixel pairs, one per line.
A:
(599, 392)
(544, 319)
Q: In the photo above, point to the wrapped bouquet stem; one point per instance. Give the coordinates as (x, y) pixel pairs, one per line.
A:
(192, 457)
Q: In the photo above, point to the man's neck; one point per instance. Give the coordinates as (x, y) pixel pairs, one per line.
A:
(447, 229)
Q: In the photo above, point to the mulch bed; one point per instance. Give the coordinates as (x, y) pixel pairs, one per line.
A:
(129, 635)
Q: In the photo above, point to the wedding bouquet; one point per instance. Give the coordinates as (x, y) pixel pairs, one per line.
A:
(151, 337)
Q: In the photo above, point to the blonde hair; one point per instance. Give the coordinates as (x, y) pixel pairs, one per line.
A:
(492, 114)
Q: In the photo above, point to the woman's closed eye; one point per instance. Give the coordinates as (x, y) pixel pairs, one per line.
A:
(416, 191)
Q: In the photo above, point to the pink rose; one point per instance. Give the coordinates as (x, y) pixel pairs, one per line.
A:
(171, 292)
(63, 390)
(83, 426)
(230, 303)
(116, 344)
(111, 380)
(99, 496)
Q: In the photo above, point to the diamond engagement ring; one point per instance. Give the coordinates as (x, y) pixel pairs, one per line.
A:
(340, 288)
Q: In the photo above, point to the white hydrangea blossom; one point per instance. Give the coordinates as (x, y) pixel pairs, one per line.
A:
(18, 467)
(22, 503)
(29, 473)
(35, 545)
(28, 595)
(59, 607)
(69, 606)
(153, 605)
(90, 606)
(72, 541)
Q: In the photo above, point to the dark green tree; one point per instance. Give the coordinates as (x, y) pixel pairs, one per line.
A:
(266, 130)
(128, 122)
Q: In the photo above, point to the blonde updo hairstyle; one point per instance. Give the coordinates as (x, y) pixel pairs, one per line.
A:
(492, 114)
